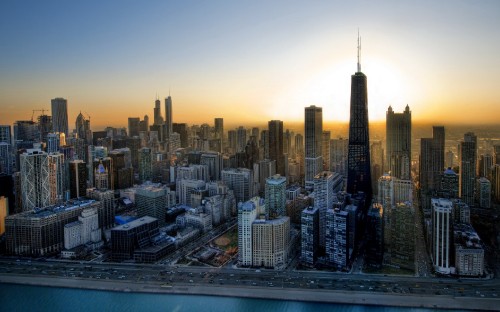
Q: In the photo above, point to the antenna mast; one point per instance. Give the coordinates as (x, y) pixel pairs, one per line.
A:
(359, 52)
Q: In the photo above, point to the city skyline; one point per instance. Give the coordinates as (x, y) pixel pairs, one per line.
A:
(268, 60)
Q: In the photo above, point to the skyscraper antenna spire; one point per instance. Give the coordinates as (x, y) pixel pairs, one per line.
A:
(359, 52)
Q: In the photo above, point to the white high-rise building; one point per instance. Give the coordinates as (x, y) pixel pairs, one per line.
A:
(323, 200)
(247, 213)
(240, 181)
(270, 242)
(442, 219)
(35, 186)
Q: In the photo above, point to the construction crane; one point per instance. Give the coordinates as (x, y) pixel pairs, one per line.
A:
(38, 110)
(87, 115)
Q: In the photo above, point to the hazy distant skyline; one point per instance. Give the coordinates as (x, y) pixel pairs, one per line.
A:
(251, 61)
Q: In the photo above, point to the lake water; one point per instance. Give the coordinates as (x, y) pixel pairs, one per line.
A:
(35, 298)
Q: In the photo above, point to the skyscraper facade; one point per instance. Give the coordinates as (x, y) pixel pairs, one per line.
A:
(168, 117)
(358, 163)
(276, 145)
(77, 178)
(35, 186)
(431, 165)
(313, 130)
(133, 126)
(398, 142)
(59, 108)
(467, 174)
(275, 198)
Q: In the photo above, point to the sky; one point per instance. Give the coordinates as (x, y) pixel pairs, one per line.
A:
(249, 61)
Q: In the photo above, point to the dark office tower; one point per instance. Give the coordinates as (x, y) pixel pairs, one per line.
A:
(158, 119)
(431, 165)
(313, 130)
(325, 149)
(59, 108)
(5, 134)
(168, 117)
(77, 178)
(377, 163)
(25, 133)
(398, 143)
(485, 164)
(241, 139)
(133, 126)
(358, 162)
(264, 144)
(496, 154)
(467, 176)
(219, 128)
(144, 124)
(134, 144)
(374, 252)
(299, 145)
(83, 128)
(44, 126)
(7, 191)
(287, 142)
(276, 145)
(181, 129)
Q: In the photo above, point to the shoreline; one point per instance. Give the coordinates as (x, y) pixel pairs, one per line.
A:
(320, 296)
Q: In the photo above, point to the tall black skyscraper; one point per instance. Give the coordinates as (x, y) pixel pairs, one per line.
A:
(276, 145)
(358, 167)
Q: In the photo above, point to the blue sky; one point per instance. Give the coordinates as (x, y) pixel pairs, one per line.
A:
(235, 58)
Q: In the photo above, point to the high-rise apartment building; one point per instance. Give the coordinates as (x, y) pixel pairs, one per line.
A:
(57, 177)
(59, 109)
(270, 242)
(398, 142)
(326, 184)
(35, 186)
(247, 213)
(313, 130)
(275, 197)
(309, 225)
(240, 181)
(442, 221)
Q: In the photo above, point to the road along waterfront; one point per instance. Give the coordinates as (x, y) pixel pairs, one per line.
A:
(228, 289)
